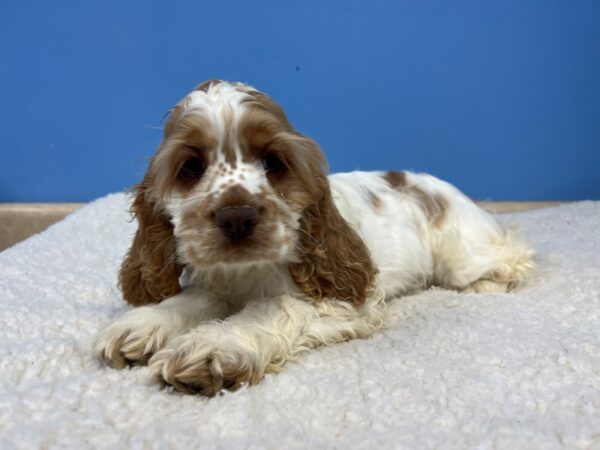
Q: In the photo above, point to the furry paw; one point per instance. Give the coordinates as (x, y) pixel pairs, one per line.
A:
(194, 364)
(135, 337)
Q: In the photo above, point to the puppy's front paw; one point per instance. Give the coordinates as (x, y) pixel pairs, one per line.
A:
(196, 365)
(135, 337)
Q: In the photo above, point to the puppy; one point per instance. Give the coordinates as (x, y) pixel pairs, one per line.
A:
(247, 254)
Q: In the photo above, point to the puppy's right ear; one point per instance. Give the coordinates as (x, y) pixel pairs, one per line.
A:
(150, 272)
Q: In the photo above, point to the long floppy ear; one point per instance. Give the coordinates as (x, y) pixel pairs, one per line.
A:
(334, 260)
(150, 272)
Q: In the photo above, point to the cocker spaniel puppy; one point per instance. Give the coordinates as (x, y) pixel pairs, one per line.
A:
(248, 254)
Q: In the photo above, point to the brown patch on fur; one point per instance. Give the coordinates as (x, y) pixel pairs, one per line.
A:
(267, 104)
(261, 132)
(191, 137)
(150, 272)
(396, 180)
(374, 199)
(435, 206)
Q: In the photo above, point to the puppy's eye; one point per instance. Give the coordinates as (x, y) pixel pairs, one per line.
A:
(192, 169)
(273, 164)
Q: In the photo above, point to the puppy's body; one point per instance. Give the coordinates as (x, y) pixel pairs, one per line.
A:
(422, 231)
(277, 257)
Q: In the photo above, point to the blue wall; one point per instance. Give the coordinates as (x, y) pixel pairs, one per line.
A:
(500, 97)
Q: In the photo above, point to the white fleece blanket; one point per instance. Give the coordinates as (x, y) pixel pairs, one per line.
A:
(519, 370)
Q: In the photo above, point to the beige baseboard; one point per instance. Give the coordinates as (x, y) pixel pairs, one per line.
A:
(18, 221)
(508, 207)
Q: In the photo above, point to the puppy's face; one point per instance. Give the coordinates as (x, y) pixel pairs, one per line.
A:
(234, 177)
(233, 183)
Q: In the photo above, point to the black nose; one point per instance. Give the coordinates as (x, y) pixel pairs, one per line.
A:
(237, 222)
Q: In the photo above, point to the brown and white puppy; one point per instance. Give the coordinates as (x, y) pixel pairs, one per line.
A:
(248, 254)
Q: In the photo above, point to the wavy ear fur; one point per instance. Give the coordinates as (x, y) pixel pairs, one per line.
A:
(335, 261)
(150, 272)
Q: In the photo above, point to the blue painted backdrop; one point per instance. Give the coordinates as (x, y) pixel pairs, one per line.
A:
(501, 98)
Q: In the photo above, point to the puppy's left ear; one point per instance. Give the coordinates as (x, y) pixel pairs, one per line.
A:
(334, 260)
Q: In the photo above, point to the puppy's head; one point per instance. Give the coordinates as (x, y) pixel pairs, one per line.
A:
(233, 183)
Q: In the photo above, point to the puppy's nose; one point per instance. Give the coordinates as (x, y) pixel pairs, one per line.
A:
(237, 222)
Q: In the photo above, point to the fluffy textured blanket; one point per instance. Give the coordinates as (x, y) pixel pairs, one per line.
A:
(519, 370)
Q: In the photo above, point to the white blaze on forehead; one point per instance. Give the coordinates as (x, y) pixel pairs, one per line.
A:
(217, 98)
(223, 105)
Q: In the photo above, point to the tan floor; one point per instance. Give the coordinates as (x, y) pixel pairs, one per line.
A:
(18, 221)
